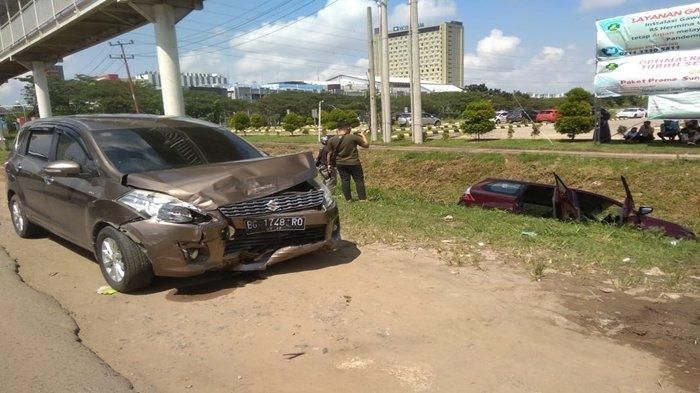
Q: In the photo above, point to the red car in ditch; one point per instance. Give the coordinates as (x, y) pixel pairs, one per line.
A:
(561, 202)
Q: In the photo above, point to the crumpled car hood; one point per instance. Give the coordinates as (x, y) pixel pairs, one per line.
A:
(211, 186)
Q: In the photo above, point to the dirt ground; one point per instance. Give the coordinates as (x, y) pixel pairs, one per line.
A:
(370, 319)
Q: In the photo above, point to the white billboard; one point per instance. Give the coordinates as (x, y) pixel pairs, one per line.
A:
(668, 29)
(675, 106)
(659, 73)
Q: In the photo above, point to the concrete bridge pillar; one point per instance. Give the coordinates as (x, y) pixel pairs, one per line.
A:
(41, 86)
(168, 59)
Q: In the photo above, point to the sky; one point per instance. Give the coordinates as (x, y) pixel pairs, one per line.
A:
(535, 46)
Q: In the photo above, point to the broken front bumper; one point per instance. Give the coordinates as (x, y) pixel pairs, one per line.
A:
(183, 250)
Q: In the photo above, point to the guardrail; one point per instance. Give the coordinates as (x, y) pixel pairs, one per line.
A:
(33, 18)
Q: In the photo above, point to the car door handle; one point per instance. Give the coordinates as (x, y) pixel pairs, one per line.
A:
(48, 179)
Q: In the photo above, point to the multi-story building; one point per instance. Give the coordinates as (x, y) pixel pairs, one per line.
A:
(247, 92)
(187, 79)
(441, 53)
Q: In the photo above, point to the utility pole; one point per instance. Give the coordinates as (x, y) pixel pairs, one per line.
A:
(320, 128)
(417, 105)
(386, 100)
(128, 72)
(372, 81)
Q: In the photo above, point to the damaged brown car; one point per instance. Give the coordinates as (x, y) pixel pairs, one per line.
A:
(165, 196)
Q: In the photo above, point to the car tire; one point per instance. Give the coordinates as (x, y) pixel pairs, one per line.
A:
(437, 123)
(23, 227)
(123, 263)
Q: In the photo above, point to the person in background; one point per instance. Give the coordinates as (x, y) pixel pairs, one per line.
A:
(645, 134)
(669, 129)
(690, 133)
(604, 129)
(326, 168)
(631, 134)
(342, 150)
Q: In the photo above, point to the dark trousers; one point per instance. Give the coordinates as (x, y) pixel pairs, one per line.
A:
(354, 171)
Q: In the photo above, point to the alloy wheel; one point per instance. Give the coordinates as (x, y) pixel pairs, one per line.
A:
(17, 217)
(112, 259)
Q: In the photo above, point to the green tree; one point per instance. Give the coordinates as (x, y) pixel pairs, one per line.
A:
(292, 122)
(477, 117)
(257, 121)
(240, 121)
(330, 120)
(576, 114)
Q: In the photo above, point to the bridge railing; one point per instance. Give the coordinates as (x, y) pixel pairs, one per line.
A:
(33, 18)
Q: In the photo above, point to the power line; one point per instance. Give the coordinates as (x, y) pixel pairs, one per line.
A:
(212, 33)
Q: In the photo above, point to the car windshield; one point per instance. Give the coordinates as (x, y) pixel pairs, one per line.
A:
(134, 150)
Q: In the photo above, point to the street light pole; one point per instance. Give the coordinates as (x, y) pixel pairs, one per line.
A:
(386, 92)
(416, 104)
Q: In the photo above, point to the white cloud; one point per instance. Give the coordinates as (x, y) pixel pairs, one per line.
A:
(429, 12)
(492, 49)
(331, 42)
(500, 62)
(550, 54)
(11, 92)
(587, 5)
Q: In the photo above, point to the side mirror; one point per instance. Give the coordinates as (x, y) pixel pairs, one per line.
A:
(62, 169)
(645, 210)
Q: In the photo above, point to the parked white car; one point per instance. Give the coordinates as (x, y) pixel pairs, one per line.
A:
(501, 117)
(632, 113)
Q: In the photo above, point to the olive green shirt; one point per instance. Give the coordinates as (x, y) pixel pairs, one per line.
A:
(345, 149)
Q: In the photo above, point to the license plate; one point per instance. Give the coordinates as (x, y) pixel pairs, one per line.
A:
(276, 224)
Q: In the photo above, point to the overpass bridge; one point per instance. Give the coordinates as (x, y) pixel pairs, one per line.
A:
(38, 33)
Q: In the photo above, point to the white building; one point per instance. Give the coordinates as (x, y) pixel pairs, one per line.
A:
(360, 84)
(187, 79)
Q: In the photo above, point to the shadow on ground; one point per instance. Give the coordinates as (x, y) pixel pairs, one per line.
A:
(215, 284)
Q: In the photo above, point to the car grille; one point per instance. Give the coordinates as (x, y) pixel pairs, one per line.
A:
(260, 242)
(285, 202)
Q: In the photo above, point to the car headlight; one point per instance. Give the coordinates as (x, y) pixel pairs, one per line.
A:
(163, 207)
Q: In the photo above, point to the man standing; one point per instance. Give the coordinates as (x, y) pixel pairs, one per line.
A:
(342, 152)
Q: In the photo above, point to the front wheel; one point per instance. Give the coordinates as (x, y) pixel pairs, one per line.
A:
(124, 265)
(437, 123)
(23, 227)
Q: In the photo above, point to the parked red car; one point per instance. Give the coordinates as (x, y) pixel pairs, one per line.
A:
(562, 202)
(548, 115)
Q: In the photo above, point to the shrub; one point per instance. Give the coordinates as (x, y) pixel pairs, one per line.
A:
(292, 122)
(239, 121)
(400, 136)
(576, 114)
(511, 131)
(305, 130)
(446, 135)
(535, 130)
(477, 117)
(330, 120)
(257, 121)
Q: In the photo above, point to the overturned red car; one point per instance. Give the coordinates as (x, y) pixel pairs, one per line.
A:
(561, 202)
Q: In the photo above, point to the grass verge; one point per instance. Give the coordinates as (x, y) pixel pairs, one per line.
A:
(655, 147)
(413, 192)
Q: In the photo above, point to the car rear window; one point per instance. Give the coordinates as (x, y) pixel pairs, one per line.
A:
(506, 188)
(136, 150)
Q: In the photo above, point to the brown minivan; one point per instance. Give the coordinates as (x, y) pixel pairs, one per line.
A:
(165, 196)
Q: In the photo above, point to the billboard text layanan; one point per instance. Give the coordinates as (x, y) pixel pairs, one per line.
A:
(651, 53)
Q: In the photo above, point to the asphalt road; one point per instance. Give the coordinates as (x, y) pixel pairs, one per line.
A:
(40, 348)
